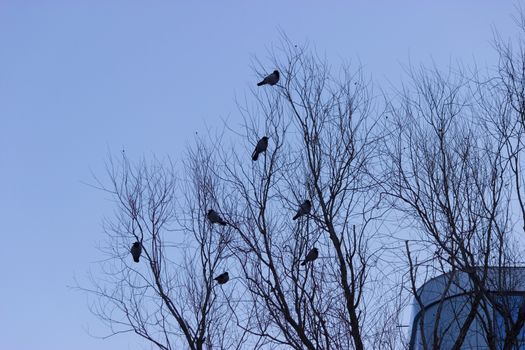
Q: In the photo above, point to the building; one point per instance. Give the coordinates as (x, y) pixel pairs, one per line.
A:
(444, 302)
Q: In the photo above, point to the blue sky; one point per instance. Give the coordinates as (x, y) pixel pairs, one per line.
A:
(81, 78)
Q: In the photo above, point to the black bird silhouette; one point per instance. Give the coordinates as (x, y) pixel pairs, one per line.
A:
(136, 250)
(311, 256)
(271, 79)
(303, 209)
(215, 218)
(261, 147)
(222, 278)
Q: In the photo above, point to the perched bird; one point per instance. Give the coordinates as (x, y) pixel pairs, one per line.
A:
(311, 256)
(303, 209)
(136, 250)
(215, 218)
(261, 147)
(222, 278)
(271, 79)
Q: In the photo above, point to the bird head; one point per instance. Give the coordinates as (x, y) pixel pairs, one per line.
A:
(136, 244)
(276, 72)
(210, 211)
(307, 202)
(314, 249)
(265, 138)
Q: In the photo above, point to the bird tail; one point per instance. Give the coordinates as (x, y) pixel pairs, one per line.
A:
(296, 216)
(261, 83)
(223, 223)
(255, 155)
(136, 259)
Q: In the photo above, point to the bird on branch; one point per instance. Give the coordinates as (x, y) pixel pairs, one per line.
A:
(304, 209)
(222, 278)
(311, 256)
(215, 218)
(136, 251)
(271, 79)
(261, 147)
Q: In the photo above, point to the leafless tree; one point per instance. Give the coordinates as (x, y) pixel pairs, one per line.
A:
(429, 191)
(452, 167)
(323, 146)
(170, 297)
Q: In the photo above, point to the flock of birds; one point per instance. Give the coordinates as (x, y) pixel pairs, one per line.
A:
(214, 217)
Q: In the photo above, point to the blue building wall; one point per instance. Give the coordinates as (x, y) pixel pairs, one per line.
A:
(445, 302)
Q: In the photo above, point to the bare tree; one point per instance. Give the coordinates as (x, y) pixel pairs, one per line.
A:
(450, 172)
(428, 193)
(323, 146)
(170, 297)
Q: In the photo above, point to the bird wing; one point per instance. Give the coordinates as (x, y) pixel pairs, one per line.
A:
(273, 78)
(304, 208)
(214, 217)
(312, 255)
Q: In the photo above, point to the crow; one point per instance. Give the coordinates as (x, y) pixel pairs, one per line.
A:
(303, 209)
(222, 278)
(136, 250)
(261, 147)
(311, 256)
(271, 79)
(215, 218)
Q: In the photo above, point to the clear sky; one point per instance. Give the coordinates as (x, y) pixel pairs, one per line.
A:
(81, 78)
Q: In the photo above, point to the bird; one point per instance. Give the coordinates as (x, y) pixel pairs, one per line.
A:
(215, 218)
(136, 250)
(261, 147)
(222, 278)
(303, 209)
(271, 79)
(311, 256)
